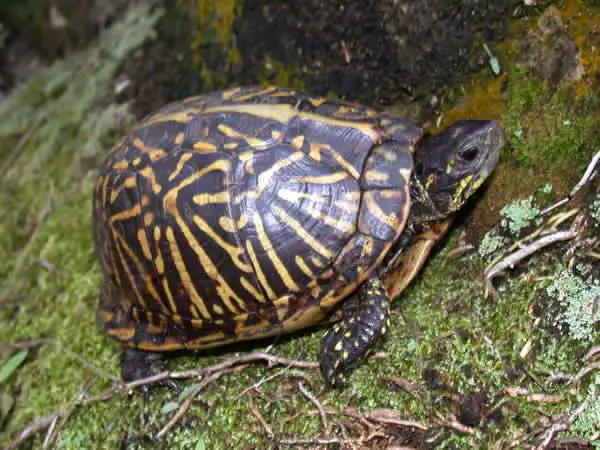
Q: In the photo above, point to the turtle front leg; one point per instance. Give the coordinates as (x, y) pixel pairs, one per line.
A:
(356, 335)
(138, 364)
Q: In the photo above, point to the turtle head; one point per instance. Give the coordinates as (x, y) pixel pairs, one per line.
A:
(451, 165)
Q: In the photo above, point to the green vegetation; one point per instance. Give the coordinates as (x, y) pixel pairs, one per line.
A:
(490, 244)
(446, 338)
(578, 297)
(588, 424)
(595, 208)
(519, 214)
(548, 129)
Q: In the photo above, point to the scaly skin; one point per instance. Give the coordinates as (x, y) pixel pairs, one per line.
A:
(356, 335)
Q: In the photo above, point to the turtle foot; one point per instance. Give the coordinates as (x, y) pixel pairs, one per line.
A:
(137, 365)
(355, 336)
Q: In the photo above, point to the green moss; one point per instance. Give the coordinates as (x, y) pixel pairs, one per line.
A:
(578, 297)
(546, 128)
(444, 332)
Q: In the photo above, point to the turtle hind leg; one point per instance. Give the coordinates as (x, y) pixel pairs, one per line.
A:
(138, 364)
(356, 335)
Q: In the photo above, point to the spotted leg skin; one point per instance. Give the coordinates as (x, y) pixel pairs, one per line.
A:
(349, 341)
(137, 364)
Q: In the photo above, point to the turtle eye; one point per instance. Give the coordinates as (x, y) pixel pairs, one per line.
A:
(469, 154)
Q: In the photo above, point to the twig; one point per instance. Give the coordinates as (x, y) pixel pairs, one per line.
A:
(458, 251)
(591, 354)
(411, 388)
(120, 387)
(262, 381)
(533, 397)
(22, 345)
(50, 267)
(256, 413)
(389, 416)
(574, 379)
(190, 398)
(35, 427)
(316, 402)
(10, 159)
(514, 258)
(54, 433)
(86, 363)
(325, 441)
(456, 425)
(562, 424)
(588, 174)
(49, 433)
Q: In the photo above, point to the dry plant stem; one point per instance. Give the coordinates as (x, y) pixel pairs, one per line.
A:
(322, 441)
(514, 258)
(119, 387)
(591, 354)
(455, 425)
(256, 413)
(574, 379)
(411, 388)
(86, 363)
(458, 251)
(400, 423)
(190, 398)
(53, 433)
(587, 176)
(533, 397)
(10, 159)
(262, 381)
(22, 345)
(316, 402)
(563, 424)
(35, 427)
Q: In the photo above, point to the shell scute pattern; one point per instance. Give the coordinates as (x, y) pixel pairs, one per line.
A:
(236, 215)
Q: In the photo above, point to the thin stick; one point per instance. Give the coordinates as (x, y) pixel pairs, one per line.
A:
(256, 413)
(97, 370)
(563, 424)
(190, 398)
(588, 174)
(262, 381)
(592, 353)
(120, 387)
(53, 433)
(316, 402)
(457, 426)
(35, 427)
(10, 159)
(514, 258)
(533, 397)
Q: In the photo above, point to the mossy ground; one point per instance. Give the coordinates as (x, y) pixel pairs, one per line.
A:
(445, 336)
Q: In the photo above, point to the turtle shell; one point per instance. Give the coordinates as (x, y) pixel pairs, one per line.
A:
(245, 213)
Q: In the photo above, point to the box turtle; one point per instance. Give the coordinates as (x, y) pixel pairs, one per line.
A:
(258, 211)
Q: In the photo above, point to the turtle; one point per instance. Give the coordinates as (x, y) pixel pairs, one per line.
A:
(257, 211)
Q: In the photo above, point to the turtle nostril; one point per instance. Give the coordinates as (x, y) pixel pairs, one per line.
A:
(470, 154)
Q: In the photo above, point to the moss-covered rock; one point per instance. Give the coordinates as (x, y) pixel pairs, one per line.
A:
(460, 350)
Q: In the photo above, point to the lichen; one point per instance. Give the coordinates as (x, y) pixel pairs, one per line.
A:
(587, 425)
(519, 214)
(490, 244)
(579, 298)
